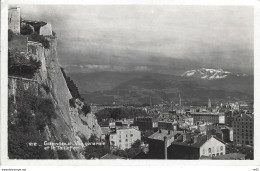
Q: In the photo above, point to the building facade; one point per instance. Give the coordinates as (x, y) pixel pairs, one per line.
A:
(123, 138)
(144, 123)
(243, 129)
(167, 125)
(196, 146)
(208, 117)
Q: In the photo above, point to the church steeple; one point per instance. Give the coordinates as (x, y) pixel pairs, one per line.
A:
(209, 103)
(179, 99)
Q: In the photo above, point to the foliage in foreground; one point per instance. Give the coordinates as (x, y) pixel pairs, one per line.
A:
(26, 122)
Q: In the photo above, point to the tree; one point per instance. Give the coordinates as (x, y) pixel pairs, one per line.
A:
(41, 39)
(93, 138)
(22, 64)
(26, 30)
(86, 109)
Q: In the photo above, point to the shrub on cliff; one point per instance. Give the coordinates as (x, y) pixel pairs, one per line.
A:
(86, 109)
(41, 39)
(46, 88)
(20, 64)
(71, 85)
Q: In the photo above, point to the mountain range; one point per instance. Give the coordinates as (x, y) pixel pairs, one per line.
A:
(143, 87)
(211, 74)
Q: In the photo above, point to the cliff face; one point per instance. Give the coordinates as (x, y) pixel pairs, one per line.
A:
(71, 123)
(85, 125)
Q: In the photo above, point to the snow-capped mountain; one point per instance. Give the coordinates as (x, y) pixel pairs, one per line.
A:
(210, 74)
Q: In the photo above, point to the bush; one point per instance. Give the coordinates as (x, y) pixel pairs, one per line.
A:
(86, 109)
(71, 85)
(33, 114)
(10, 35)
(26, 30)
(20, 65)
(41, 39)
(72, 102)
(130, 152)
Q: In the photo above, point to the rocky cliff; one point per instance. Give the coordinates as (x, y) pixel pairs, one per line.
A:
(70, 124)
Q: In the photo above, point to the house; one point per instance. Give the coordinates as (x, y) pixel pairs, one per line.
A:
(160, 141)
(193, 146)
(124, 137)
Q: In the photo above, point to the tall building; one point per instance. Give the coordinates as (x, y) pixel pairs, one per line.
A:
(209, 103)
(14, 19)
(243, 129)
(123, 138)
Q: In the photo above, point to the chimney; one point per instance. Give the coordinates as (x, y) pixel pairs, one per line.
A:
(165, 147)
(195, 139)
(184, 137)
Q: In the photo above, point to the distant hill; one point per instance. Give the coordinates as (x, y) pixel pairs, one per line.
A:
(140, 87)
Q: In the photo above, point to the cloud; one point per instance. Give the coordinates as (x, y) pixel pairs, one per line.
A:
(103, 68)
(204, 33)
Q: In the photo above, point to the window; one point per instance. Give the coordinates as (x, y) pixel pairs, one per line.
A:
(126, 140)
(203, 151)
(111, 137)
(126, 135)
(221, 148)
(221, 153)
(209, 150)
(126, 145)
(217, 154)
(131, 135)
(120, 141)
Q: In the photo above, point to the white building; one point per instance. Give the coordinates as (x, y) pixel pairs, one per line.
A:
(213, 147)
(124, 138)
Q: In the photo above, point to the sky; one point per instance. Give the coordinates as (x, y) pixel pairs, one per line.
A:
(142, 37)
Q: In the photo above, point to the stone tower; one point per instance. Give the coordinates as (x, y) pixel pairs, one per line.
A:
(14, 19)
(209, 103)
